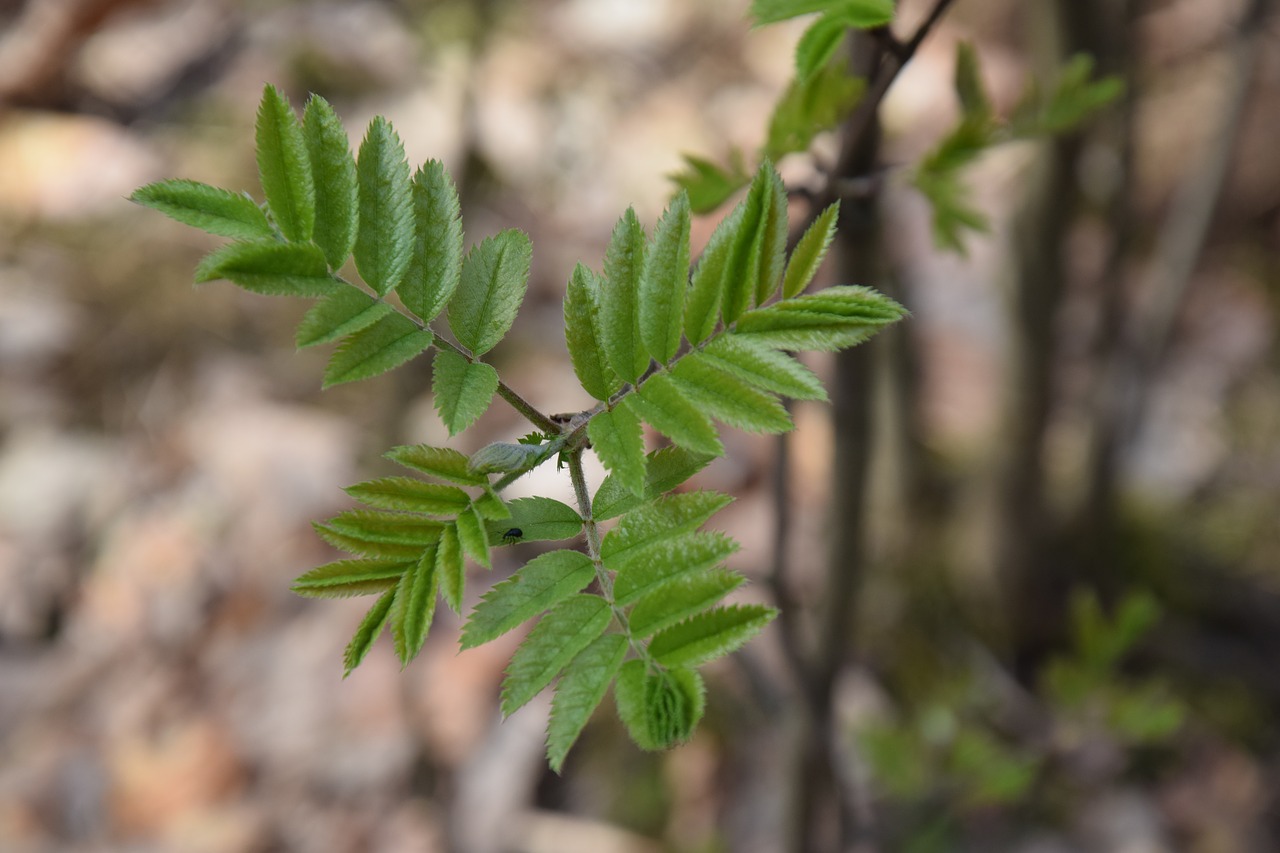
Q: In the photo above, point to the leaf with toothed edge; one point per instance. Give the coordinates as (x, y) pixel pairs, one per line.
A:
(557, 639)
(579, 692)
(541, 583)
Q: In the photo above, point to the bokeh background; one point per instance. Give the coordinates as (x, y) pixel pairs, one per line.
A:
(1084, 408)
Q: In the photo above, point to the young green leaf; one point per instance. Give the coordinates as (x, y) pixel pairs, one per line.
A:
(619, 297)
(410, 494)
(558, 638)
(710, 635)
(415, 607)
(462, 389)
(664, 281)
(667, 561)
(582, 335)
(368, 631)
(580, 690)
(835, 318)
(618, 440)
(211, 209)
(284, 167)
(435, 266)
(810, 106)
(746, 260)
(818, 44)
(809, 252)
(270, 268)
(391, 528)
(491, 507)
(864, 14)
(473, 537)
(660, 709)
(664, 469)
(495, 275)
(537, 519)
(451, 568)
(968, 82)
(385, 238)
(727, 398)
(764, 368)
(709, 185)
(505, 457)
(681, 598)
(443, 463)
(388, 343)
(333, 171)
(363, 546)
(540, 584)
(344, 312)
(350, 577)
(662, 519)
(707, 287)
(661, 404)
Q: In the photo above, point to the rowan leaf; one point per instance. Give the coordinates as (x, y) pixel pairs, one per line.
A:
(387, 343)
(495, 275)
(537, 519)
(345, 578)
(557, 639)
(540, 584)
(582, 335)
(657, 521)
(473, 537)
(390, 528)
(462, 389)
(764, 367)
(443, 463)
(451, 568)
(344, 312)
(211, 209)
(364, 546)
(680, 598)
(668, 560)
(709, 185)
(858, 13)
(617, 438)
(728, 398)
(818, 45)
(664, 281)
(270, 268)
(664, 469)
(415, 607)
(435, 264)
(284, 167)
(385, 237)
(410, 494)
(333, 172)
(660, 403)
(702, 307)
(709, 635)
(579, 692)
(619, 299)
(369, 630)
(660, 708)
(809, 252)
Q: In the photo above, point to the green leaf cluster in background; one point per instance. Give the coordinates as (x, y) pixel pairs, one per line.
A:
(635, 597)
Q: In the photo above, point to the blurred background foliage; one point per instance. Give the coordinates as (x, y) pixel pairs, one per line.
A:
(1061, 556)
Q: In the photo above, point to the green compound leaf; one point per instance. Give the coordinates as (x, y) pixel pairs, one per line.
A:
(410, 494)
(580, 691)
(270, 268)
(451, 568)
(618, 440)
(346, 578)
(542, 583)
(582, 335)
(389, 528)
(284, 167)
(811, 106)
(835, 318)
(857, 13)
(665, 469)
(664, 281)
(709, 185)
(473, 537)
(763, 367)
(659, 709)
(384, 239)
(538, 519)
(333, 172)
(818, 45)
(443, 463)
(809, 252)
(462, 389)
(415, 607)
(753, 265)
(682, 597)
(344, 312)
(435, 266)
(662, 519)
(670, 560)
(490, 506)
(388, 343)
(495, 275)
(702, 307)
(710, 635)
(363, 546)
(211, 209)
(968, 82)
(558, 638)
(729, 399)
(662, 405)
(619, 297)
(369, 630)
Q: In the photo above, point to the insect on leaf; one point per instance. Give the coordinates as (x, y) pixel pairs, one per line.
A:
(538, 519)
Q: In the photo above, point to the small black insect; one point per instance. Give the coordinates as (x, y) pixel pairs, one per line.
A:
(512, 535)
